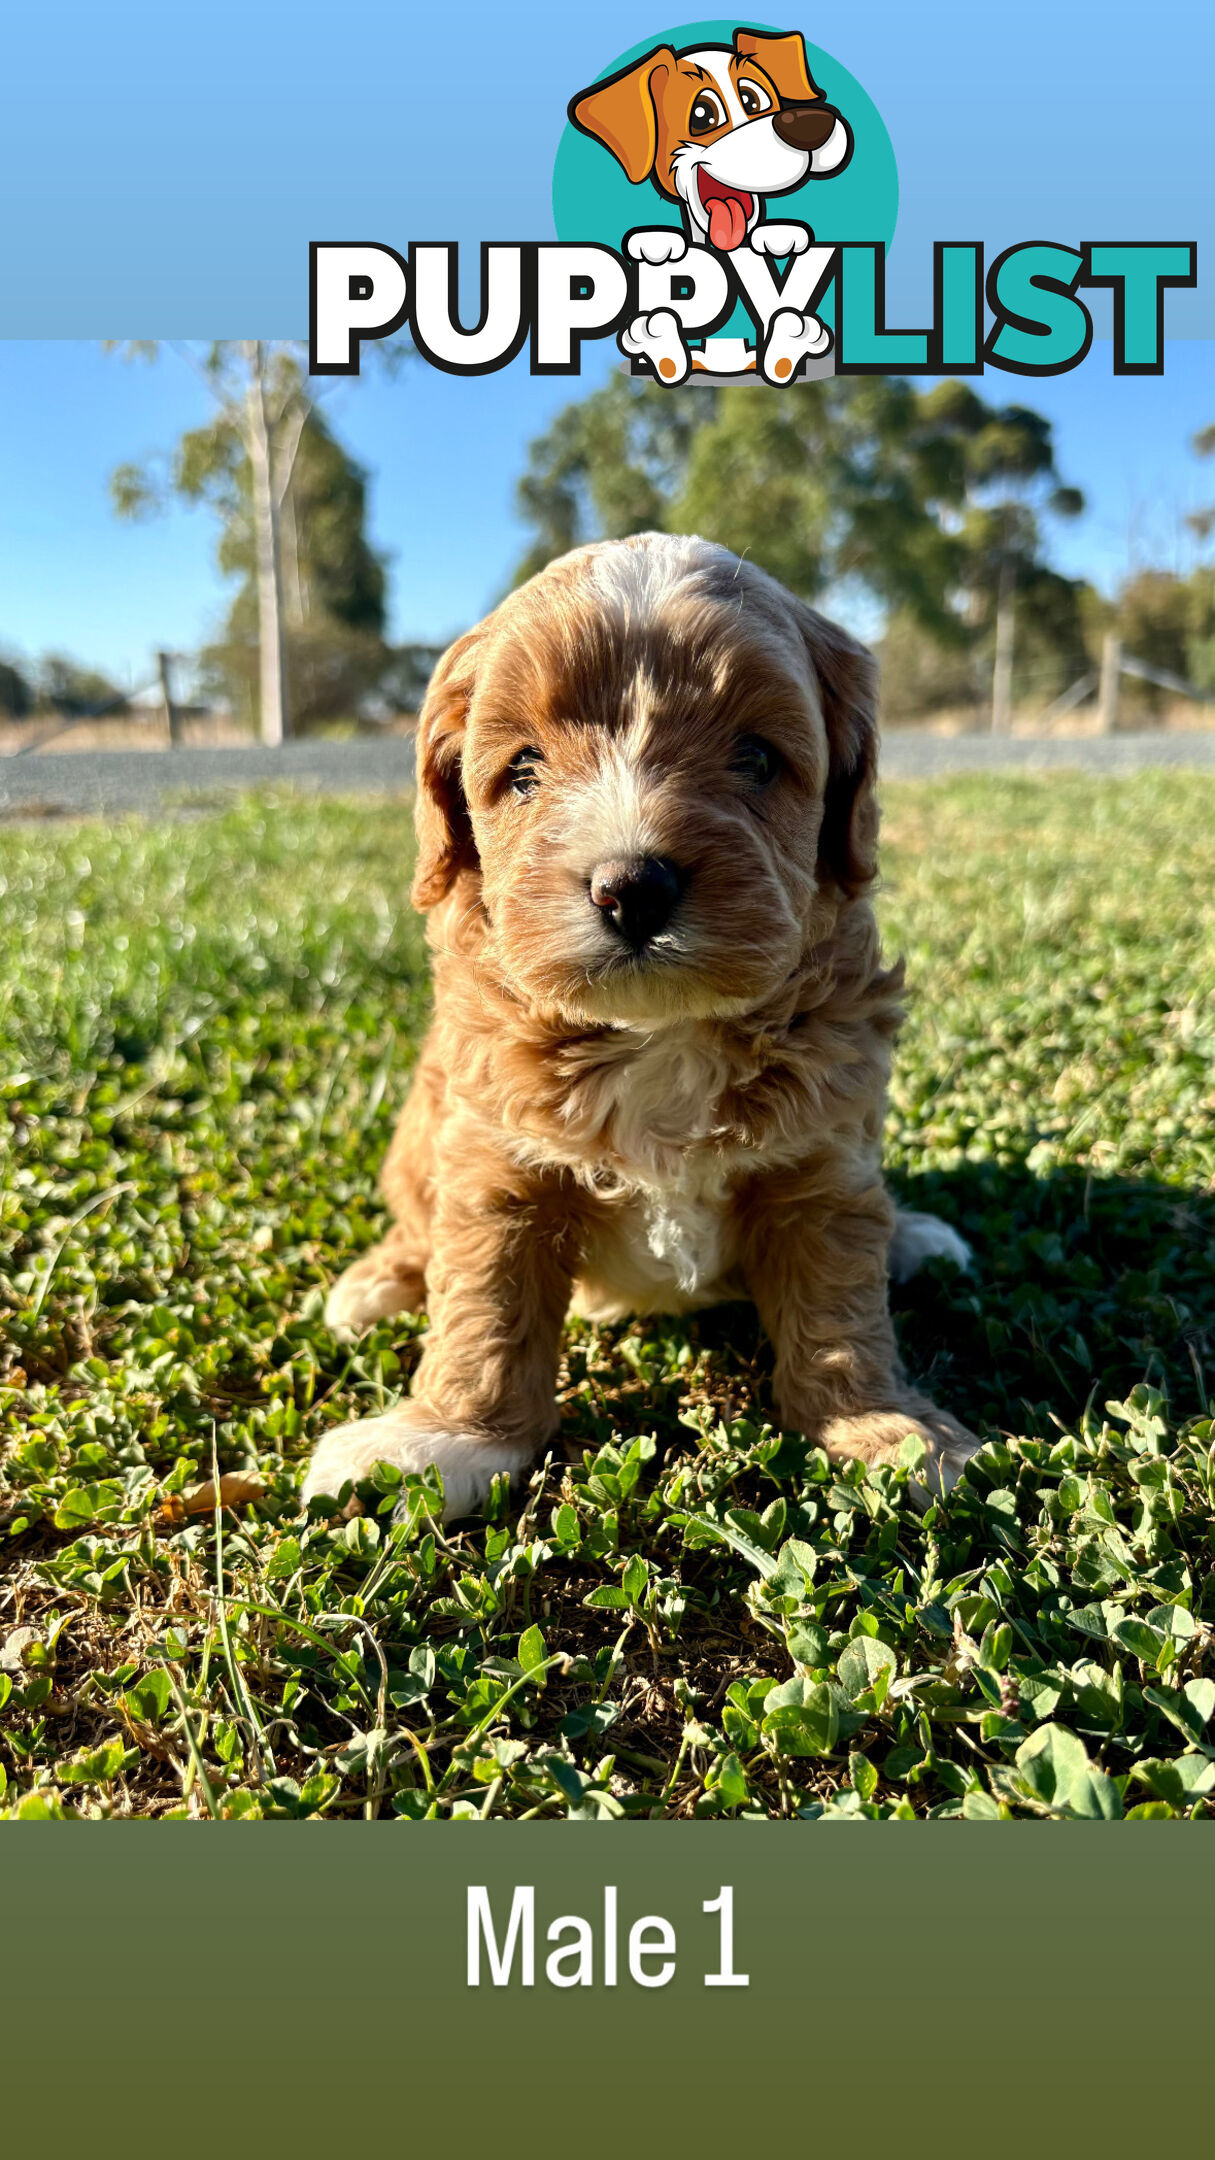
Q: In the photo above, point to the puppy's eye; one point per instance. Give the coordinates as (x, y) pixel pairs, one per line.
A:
(755, 761)
(753, 99)
(707, 113)
(522, 774)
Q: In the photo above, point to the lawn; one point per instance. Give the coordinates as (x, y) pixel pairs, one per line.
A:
(206, 1027)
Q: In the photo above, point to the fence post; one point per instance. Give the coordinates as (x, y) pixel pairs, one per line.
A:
(172, 715)
(1107, 695)
(1001, 681)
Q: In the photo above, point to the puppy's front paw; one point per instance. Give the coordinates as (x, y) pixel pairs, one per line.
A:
(876, 1436)
(662, 243)
(791, 339)
(781, 239)
(370, 1289)
(413, 1438)
(656, 338)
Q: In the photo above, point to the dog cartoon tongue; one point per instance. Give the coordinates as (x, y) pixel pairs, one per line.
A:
(727, 209)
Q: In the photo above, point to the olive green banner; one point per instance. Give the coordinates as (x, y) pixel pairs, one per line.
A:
(232, 1990)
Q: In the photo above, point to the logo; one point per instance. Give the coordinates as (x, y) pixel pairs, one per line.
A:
(724, 197)
(696, 139)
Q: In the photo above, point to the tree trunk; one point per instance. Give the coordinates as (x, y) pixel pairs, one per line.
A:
(1001, 684)
(289, 549)
(287, 447)
(1107, 695)
(172, 715)
(275, 718)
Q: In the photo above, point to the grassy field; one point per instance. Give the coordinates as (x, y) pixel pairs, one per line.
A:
(206, 1027)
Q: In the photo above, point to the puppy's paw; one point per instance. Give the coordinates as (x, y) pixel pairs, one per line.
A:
(876, 1436)
(369, 1290)
(414, 1438)
(918, 1238)
(656, 338)
(791, 339)
(781, 239)
(662, 243)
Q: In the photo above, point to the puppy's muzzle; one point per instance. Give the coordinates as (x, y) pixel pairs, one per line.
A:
(805, 127)
(637, 898)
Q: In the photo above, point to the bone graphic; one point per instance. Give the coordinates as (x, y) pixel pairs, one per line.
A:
(656, 338)
(792, 339)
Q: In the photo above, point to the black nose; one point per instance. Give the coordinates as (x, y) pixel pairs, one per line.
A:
(805, 127)
(637, 898)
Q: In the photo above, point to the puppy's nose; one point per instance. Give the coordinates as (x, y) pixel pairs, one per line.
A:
(805, 127)
(639, 897)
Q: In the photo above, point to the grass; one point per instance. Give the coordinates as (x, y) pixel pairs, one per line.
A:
(205, 1029)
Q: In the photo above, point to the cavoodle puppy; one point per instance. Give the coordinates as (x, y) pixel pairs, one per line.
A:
(658, 1064)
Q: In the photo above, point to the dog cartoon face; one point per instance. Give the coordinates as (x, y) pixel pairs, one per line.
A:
(656, 768)
(718, 129)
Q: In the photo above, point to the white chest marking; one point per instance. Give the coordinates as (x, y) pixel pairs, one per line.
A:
(670, 1239)
(684, 1234)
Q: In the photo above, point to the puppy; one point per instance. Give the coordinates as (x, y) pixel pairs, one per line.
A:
(657, 1069)
(716, 128)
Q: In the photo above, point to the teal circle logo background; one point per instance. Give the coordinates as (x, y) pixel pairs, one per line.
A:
(594, 201)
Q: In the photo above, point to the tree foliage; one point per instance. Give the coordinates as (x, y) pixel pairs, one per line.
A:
(16, 690)
(1168, 621)
(926, 499)
(56, 684)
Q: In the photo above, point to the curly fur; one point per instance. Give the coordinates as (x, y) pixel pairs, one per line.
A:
(643, 1133)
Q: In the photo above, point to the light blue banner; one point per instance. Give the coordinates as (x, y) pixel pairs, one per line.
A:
(162, 169)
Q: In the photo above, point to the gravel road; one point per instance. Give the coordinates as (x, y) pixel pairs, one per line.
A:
(77, 783)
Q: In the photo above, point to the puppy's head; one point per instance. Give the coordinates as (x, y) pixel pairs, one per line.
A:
(718, 128)
(654, 769)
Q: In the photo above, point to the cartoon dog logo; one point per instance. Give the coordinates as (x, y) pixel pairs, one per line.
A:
(717, 129)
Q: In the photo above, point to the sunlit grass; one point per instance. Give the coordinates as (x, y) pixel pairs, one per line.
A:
(206, 1028)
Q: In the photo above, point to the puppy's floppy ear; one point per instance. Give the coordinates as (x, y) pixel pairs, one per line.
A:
(444, 828)
(620, 113)
(847, 678)
(784, 62)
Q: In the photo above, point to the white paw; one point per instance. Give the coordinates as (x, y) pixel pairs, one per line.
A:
(413, 1439)
(781, 239)
(791, 339)
(656, 338)
(362, 1296)
(661, 244)
(918, 1238)
(943, 1466)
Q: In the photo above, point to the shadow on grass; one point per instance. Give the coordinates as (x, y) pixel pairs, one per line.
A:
(1082, 1286)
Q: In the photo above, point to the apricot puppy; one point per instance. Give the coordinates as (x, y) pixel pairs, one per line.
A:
(658, 1065)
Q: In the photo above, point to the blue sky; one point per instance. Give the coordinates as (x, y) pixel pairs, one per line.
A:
(252, 128)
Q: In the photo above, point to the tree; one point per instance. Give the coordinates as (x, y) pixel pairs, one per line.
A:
(930, 501)
(65, 686)
(306, 625)
(1169, 622)
(16, 691)
(1009, 479)
(825, 483)
(333, 584)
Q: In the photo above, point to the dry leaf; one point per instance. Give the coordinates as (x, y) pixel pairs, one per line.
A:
(14, 1647)
(236, 1489)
